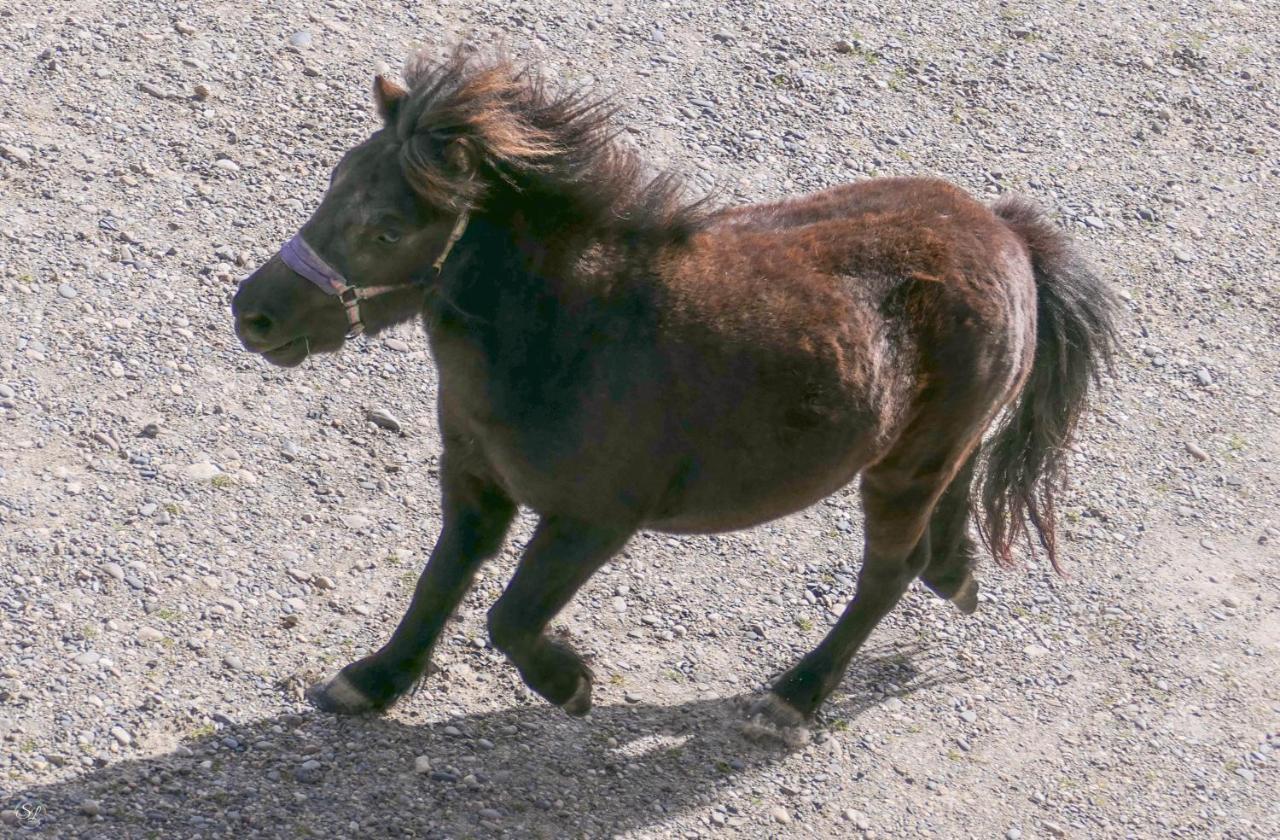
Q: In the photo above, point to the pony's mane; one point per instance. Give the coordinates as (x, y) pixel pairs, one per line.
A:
(551, 152)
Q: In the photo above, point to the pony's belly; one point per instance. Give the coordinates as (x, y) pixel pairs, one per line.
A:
(732, 499)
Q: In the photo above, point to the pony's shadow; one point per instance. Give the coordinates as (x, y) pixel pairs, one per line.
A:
(527, 771)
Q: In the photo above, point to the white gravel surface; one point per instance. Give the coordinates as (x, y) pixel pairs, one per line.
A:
(189, 537)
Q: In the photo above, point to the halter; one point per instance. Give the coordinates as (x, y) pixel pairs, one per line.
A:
(304, 260)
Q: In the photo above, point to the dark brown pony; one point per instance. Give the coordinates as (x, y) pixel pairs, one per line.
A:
(614, 358)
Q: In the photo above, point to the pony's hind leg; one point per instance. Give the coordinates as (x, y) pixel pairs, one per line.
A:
(949, 573)
(898, 497)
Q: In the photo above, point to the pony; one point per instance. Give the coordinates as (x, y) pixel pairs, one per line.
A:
(614, 357)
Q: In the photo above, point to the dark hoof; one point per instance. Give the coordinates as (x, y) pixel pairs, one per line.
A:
(963, 592)
(579, 704)
(339, 696)
(774, 719)
(966, 597)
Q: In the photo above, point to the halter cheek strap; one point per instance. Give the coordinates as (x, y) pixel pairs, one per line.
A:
(304, 260)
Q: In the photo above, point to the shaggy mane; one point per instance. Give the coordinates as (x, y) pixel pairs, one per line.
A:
(550, 153)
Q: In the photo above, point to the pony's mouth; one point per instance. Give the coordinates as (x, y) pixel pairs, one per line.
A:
(289, 354)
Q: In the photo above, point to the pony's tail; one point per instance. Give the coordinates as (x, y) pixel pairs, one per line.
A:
(1025, 461)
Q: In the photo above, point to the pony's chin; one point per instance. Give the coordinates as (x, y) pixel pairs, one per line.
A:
(289, 355)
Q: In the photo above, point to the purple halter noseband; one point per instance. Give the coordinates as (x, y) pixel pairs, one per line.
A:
(304, 260)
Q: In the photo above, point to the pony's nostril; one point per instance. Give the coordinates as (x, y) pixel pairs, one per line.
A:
(257, 324)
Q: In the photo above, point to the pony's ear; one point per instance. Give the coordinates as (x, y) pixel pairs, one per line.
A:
(387, 95)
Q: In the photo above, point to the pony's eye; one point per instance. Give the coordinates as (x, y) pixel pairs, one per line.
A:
(389, 237)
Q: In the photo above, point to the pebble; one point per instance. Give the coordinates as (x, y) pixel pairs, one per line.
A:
(6, 392)
(227, 165)
(301, 39)
(113, 570)
(88, 658)
(121, 735)
(490, 814)
(67, 291)
(149, 634)
(780, 815)
(422, 765)
(232, 663)
(398, 345)
(1195, 451)
(202, 471)
(1183, 254)
(1013, 834)
(309, 772)
(969, 716)
(1204, 377)
(1034, 651)
(384, 419)
(90, 807)
(10, 817)
(15, 154)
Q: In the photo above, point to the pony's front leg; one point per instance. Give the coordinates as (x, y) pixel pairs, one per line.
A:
(559, 559)
(476, 517)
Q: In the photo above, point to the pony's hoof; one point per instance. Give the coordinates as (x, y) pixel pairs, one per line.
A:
(966, 597)
(774, 719)
(579, 703)
(340, 696)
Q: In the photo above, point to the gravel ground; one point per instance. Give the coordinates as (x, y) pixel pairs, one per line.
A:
(189, 537)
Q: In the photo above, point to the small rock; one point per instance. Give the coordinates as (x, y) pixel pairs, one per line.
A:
(227, 165)
(113, 570)
(422, 765)
(490, 814)
(151, 430)
(323, 582)
(1094, 222)
(780, 815)
(88, 658)
(1196, 452)
(152, 90)
(232, 663)
(1013, 834)
(1183, 254)
(90, 808)
(301, 39)
(844, 46)
(1232, 603)
(6, 392)
(10, 817)
(184, 28)
(67, 291)
(858, 819)
(15, 154)
(1054, 829)
(1034, 651)
(149, 634)
(202, 471)
(1204, 377)
(121, 735)
(309, 772)
(201, 92)
(969, 716)
(398, 345)
(384, 419)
